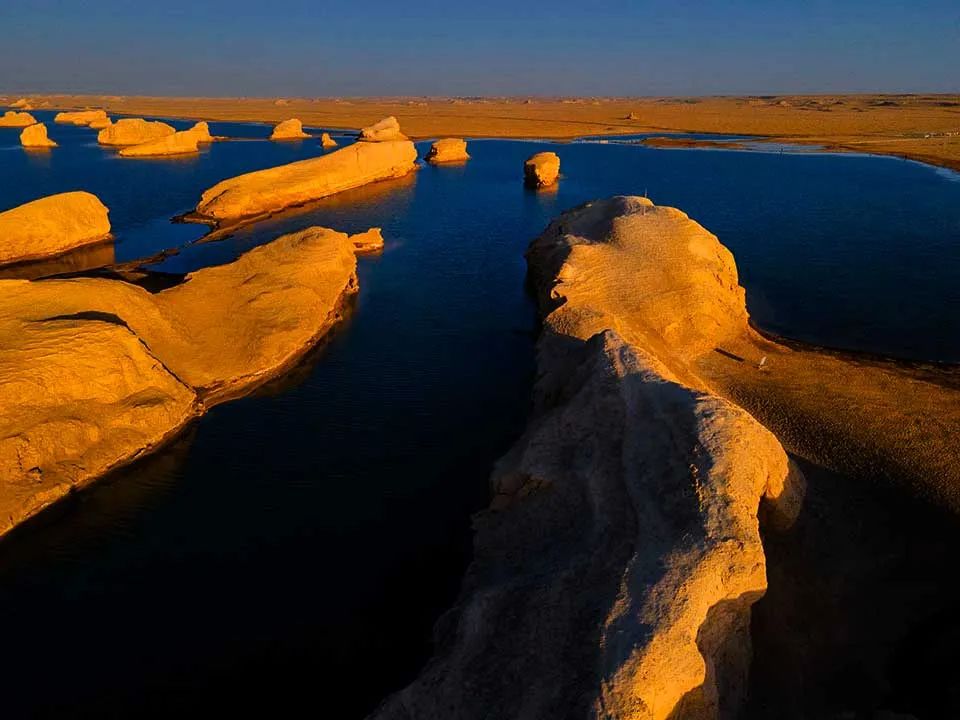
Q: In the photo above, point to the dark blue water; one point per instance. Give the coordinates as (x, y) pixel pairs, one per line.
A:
(295, 548)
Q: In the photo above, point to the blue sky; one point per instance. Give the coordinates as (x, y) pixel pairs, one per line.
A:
(378, 47)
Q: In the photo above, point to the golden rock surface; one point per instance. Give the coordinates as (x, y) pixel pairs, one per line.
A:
(447, 150)
(386, 130)
(35, 136)
(52, 225)
(180, 143)
(273, 189)
(17, 119)
(133, 131)
(327, 141)
(95, 372)
(80, 117)
(541, 169)
(291, 129)
(100, 123)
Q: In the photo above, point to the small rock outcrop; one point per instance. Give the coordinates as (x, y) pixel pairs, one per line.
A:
(22, 103)
(17, 119)
(96, 372)
(370, 241)
(100, 123)
(180, 143)
(387, 130)
(35, 136)
(202, 132)
(291, 129)
(266, 191)
(133, 131)
(80, 117)
(541, 169)
(327, 142)
(448, 150)
(52, 225)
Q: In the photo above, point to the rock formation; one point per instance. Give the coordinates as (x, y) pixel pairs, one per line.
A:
(541, 169)
(22, 103)
(133, 131)
(52, 225)
(202, 132)
(35, 136)
(370, 241)
(448, 150)
(17, 119)
(100, 123)
(614, 572)
(95, 372)
(80, 117)
(327, 142)
(179, 143)
(266, 191)
(387, 130)
(291, 129)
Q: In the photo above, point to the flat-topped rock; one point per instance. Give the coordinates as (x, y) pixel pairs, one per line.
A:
(291, 129)
(387, 130)
(35, 136)
(52, 225)
(370, 241)
(15, 119)
(180, 143)
(326, 141)
(95, 372)
(541, 169)
(266, 191)
(133, 131)
(448, 150)
(80, 117)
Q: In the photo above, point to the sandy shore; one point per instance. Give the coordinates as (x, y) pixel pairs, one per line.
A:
(920, 127)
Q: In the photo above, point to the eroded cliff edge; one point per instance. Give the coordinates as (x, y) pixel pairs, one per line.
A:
(615, 569)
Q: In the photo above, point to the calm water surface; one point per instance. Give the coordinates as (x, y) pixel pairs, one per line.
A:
(296, 546)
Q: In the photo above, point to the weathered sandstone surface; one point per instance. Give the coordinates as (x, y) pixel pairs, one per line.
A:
(52, 225)
(35, 136)
(17, 119)
(370, 241)
(266, 191)
(202, 132)
(541, 169)
(133, 131)
(100, 123)
(95, 372)
(180, 143)
(615, 570)
(80, 117)
(447, 150)
(327, 141)
(291, 129)
(387, 130)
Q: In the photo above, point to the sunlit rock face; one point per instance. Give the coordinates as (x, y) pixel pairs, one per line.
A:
(266, 191)
(15, 119)
(52, 225)
(94, 372)
(81, 117)
(35, 136)
(133, 131)
(326, 141)
(541, 169)
(291, 129)
(614, 572)
(387, 130)
(447, 150)
(180, 143)
(370, 241)
(100, 123)
(202, 132)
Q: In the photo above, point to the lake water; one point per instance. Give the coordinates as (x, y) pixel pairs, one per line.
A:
(295, 547)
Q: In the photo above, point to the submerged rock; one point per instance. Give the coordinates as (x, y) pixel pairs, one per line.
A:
(180, 143)
(35, 136)
(133, 131)
(448, 150)
(541, 169)
(95, 372)
(17, 119)
(614, 572)
(80, 117)
(387, 130)
(270, 190)
(291, 129)
(327, 142)
(52, 225)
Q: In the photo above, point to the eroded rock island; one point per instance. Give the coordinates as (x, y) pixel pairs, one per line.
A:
(291, 129)
(541, 169)
(447, 150)
(81, 117)
(35, 136)
(133, 131)
(14, 119)
(51, 226)
(386, 130)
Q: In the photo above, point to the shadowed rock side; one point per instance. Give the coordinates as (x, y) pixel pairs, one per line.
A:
(80, 117)
(35, 136)
(266, 191)
(17, 119)
(291, 129)
(447, 150)
(541, 169)
(52, 225)
(133, 131)
(615, 569)
(94, 372)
